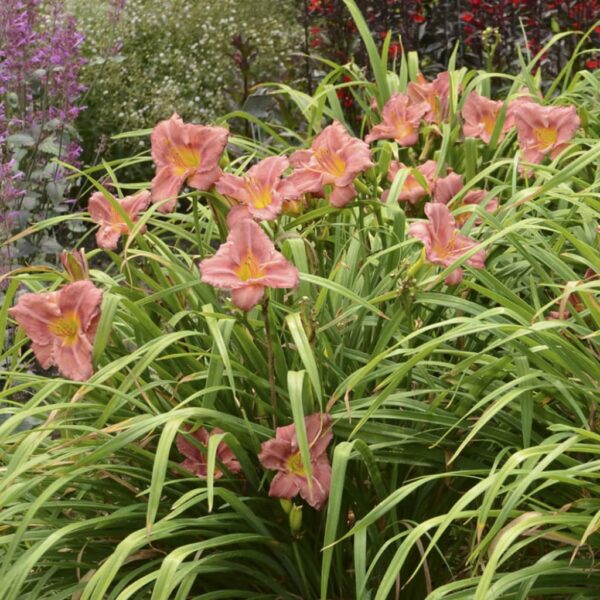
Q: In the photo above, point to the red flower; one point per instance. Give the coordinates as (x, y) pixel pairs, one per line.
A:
(467, 17)
(418, 17)
(395, 49)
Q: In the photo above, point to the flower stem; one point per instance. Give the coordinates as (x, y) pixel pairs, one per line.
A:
(270, 357)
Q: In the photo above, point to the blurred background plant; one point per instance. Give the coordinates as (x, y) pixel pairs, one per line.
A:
(40, 91)
(199, 59)
(489, 33)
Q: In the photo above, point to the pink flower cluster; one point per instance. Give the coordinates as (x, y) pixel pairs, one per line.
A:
(280, 454)
(541, 131)
(62, 331)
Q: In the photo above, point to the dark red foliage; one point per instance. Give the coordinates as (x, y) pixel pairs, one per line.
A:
(490, 31)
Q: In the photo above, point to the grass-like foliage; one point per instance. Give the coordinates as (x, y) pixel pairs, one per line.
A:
(465, 454)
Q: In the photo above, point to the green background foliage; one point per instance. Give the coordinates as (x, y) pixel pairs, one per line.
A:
(176, 56)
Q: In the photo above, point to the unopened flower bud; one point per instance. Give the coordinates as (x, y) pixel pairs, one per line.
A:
(295, 517)
(292, 208)
(75, 264)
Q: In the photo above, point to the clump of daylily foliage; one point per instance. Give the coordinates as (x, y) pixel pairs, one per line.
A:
(359, 325)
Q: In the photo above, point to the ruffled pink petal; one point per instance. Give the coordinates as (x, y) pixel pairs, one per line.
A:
(409, 139)
(165, 186)
(287, 190)
(271, 211)
(99, 208)
(288, 434)
(319, 433)
(269, 170)
(285, 486)
(442, 223)
(236, 214)
(321, 472)
(340, 196)
(82, 298)
(300, 158)
(280, 274)
(447, 187)
(220, 269)
(234, 187)
(74, 361)
(44, 354)
(210, 142)
(107, 237)
(305, 181)
(248, 237)
(134, 205)
(317, 494)
(421, 231)
(165, 136)
(275, 452)
(247, 297)
(34, 313)
(532, 155)
(204, 180)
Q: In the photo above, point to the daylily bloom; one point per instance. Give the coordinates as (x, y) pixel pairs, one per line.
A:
(446, 188)
(436, 94)
(184, 152)
(195, 459)
(335, 158)
(75, 264)
(443, 242)
(412, 191)
(282, 454)
(545, 130)
(247, 263)
(62, 327)
(401, 119)
(261, 189)
(480, 115)
(112, 224)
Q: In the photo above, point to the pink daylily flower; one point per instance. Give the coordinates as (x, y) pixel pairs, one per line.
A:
(112, 224)
(184, 152)
(195, 459)
(282, 454)
(480, 115)
(443, 242)
(401, 119)
(262, 189)
(544, 130)
(335, 158)
(446, 188)
(412, 191)
(247, 263)
(62, 327)
(436, 94)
